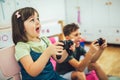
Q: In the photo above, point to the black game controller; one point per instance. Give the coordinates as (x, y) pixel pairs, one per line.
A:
(100, 41)
(66, 46)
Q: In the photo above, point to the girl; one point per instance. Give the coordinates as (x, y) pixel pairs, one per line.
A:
(33, 53)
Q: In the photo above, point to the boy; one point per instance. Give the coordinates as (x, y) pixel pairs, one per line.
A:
(73, 68)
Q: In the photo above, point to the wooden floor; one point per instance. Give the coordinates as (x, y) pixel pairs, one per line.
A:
(110, 60)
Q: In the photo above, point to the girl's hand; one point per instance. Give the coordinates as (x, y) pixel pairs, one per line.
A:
(55, 48)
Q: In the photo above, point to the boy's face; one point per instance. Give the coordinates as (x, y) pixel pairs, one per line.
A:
(76, 36)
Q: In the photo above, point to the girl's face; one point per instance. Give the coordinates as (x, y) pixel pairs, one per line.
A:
(32, 27)
(75, 36)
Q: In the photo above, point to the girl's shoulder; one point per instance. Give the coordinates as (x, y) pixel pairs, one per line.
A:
(45, 39)
(22, 44)
(21, 49)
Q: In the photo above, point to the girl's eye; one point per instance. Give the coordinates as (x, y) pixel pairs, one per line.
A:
(32, 20)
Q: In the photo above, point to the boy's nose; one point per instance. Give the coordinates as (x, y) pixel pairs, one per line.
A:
(80, 36)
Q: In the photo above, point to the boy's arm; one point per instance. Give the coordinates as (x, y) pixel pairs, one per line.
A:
(82, 64)
(96, 56)
(99, 52)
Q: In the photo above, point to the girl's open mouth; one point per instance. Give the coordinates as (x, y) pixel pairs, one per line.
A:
(38, 29)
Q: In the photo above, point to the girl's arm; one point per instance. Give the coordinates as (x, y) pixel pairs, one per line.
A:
(35, 68)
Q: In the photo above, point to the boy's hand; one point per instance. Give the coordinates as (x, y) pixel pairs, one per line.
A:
(104, 45)
(93, 48)
(72, 47)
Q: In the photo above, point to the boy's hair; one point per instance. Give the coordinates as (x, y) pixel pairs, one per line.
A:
(18, 19)
(69, 28)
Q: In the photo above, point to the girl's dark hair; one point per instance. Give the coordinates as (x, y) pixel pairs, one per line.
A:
(18, 18)
(69, 28)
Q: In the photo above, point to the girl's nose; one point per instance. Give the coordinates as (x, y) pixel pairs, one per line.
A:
(37, 22)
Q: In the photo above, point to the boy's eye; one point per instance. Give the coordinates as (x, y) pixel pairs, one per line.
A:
(78, 34)
(38, 19)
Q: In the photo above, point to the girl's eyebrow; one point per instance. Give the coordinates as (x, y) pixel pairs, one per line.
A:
(34, 16)
(30, 17)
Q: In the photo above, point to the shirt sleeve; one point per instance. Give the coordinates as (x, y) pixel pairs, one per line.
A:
(81, 50)
(46, 40)
(69, 58)
(21, 50)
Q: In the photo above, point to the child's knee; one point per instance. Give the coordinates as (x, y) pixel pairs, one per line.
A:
(78, 75)
(93, 66)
